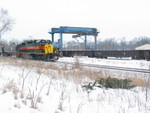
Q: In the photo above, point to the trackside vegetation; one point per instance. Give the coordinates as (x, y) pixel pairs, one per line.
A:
(110, 82)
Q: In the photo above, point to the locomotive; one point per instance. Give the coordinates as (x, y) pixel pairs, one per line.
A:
(38, 50)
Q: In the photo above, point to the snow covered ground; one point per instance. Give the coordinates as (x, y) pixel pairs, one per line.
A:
(129, 63)
(142, 64)
(43, 87)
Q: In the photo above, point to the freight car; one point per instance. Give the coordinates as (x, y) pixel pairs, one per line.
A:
(38, 49)
(134, 54)
(45, 50)
(7, 50)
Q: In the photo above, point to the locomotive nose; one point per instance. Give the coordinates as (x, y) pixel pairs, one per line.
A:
(48, 49)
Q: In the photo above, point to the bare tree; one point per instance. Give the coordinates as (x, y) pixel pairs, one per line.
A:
(139, 41)
(123, 43)
(6, 22)
(110, 44)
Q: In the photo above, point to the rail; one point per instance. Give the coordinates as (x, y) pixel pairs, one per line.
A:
(109, 67)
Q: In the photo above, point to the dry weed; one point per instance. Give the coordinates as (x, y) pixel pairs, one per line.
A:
(21, 95)
(39, 71)
(10, 86)
(39, 99)
(17, 106)
(4, 91)
(24, 102)
(64, 68)
(53, 67)
(28, 97)
(139, 81)
(78, 75)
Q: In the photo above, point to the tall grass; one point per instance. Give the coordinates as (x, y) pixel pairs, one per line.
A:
(75, 73)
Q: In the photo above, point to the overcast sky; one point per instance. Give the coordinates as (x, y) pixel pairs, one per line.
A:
(113, 18)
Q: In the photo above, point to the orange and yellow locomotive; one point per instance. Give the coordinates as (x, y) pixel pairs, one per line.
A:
(38, 49)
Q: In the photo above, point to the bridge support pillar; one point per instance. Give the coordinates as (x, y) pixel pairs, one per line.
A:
(52, 37)
(85, 42)
(61, 41)
(95, 43)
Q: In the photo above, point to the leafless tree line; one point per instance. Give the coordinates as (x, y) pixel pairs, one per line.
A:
(111, 44)
(108, 44)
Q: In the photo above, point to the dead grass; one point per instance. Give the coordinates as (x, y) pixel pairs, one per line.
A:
(76, 73)
(39, 99)
(140, 81)
(10, 86)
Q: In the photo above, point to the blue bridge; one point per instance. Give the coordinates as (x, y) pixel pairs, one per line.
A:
(76, 31)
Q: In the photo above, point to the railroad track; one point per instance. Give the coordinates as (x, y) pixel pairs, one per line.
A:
(109, 67)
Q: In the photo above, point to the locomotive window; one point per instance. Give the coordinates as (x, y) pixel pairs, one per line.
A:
(43, 42)
(48, 42)
(38, 42)
(30, 42)
(23, 44)
(35, 41)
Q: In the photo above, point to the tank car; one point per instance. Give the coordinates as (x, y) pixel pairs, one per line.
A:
(38, 50)
(7, 50)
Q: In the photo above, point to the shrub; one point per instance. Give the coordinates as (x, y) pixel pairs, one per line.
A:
(110, 83)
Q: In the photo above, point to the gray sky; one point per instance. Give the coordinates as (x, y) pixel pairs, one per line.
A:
(113, 18)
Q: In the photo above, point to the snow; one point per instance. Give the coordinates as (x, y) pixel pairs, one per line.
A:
(37, 87)
(142, 64)
(129, 63)
(143, 47)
